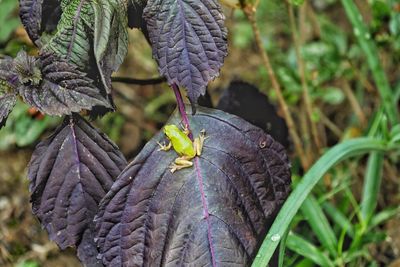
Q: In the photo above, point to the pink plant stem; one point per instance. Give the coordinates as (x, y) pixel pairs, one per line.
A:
(181, 107)
(205, 209)
(206, 214)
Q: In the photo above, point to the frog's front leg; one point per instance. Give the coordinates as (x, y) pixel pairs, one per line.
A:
(164, 147)
(181, 163)
(199, 142)
(185, 129)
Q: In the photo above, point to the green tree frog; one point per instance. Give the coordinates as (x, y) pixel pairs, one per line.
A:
(183, 146)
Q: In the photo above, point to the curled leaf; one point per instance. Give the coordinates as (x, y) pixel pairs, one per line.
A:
(89, 34)
(110, 36)
(39, 16)
(30, 13)
(69, 174)
(8, 84)
(54, 86)
(7, 103)
(212, 214)
(74, 34)
(189, 41)
(111, 22)
(93, 36)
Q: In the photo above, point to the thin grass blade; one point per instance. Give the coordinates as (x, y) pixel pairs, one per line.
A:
(319, 224)
(338, 218)
(372, 184)
(303, 247)
(384, 216)
(371, 52)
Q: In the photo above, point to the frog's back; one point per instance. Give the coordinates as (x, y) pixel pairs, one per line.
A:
(180, 141)
(183, 145)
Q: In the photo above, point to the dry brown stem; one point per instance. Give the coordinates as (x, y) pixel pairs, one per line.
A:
(354, 103)
(302, 73)
(250, 12)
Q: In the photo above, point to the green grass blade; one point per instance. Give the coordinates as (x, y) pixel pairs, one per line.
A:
(339, 218)
(383, 216)
(334, 155)
(395, 134)
(282, 248)
(319, 224)
(372, 184)
(397, 93)
(307, 250)
(351, 256)
(371, 52)
(304, 263)
(341, 244)
(353, 202)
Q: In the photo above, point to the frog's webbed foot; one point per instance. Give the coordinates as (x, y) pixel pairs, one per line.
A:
(164, 147)
(202, 135)
(181, 163)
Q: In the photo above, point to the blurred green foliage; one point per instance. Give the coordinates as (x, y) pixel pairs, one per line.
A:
(28, 264)
(112, 123)
(8, 22)
(23, 129)
(331, 228)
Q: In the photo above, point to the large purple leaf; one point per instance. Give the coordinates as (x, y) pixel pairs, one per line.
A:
(8, 84)
(213, 214)
(55, 86)
(38, 16)
(189, 41)
(69, 174)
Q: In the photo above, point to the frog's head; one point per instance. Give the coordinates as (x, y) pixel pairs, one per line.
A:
(170, 130)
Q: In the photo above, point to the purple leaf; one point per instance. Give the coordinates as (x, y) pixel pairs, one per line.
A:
(189, 41)
(38, 16)
(69, 174)
(54, 86)
(8, 78)
(30, 12)
(212, 214)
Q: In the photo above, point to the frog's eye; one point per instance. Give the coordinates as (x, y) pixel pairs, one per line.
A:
(166, 130)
